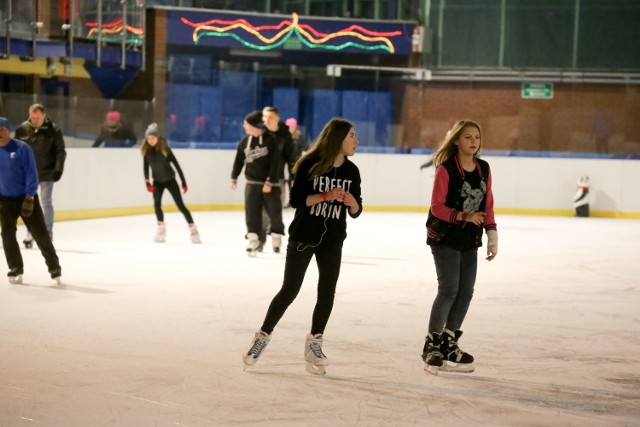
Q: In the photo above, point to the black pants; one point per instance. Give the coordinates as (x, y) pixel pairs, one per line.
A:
(255, 200)
(174, 190)
(10, 211)
(329, 259)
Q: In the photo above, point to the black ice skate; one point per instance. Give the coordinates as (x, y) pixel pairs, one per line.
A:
(431, 353)
(455, 360)
(28, 241)
(15, 277)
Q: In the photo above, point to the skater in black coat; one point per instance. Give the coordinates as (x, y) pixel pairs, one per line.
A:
(158, 157)
(326, 188)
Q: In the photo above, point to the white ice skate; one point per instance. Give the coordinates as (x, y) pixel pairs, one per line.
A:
(15, 280)
(316, 359)
(276, 242)
(258, 344)
(195, 236)
(161, 233)
(254, 243)
(58, 280)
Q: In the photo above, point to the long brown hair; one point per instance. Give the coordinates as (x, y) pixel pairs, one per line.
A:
(162, 145)
(448, 148)
(327, 146)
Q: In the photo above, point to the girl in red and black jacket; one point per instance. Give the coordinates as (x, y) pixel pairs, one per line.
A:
(158, 157)
(326, 188)
(461, 206)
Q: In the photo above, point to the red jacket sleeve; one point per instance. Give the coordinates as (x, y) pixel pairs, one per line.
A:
(439, 196)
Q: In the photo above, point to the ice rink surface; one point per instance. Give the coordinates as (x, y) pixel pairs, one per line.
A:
(149, 334)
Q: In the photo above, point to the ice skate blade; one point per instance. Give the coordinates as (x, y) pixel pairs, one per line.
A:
(315, 369)
(460, 368)
(15, 280)
(251, 254)
(433, 370)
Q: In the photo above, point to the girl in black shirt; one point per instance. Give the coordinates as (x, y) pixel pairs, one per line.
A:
(326, 188)
(158, 157)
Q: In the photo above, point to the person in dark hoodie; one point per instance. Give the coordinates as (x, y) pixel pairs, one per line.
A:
(326, 189)
(114, 133)
(158, 157)
(285, 157)
(257, 153)
(47, 142)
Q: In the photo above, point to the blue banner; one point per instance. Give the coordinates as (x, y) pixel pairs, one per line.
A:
(280, 32)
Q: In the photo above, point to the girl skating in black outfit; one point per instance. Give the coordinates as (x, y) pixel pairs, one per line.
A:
(158, 157)
(325, 189)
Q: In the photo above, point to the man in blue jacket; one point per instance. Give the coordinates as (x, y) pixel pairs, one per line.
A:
(19, 199)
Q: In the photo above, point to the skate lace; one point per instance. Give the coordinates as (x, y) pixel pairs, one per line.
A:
(257, 347)
(316, 349)
(453, 348)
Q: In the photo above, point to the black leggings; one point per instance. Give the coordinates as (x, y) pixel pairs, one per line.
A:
(174, 190)
(328, 258)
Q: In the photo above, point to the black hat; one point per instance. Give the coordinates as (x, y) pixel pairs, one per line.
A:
(255, 119)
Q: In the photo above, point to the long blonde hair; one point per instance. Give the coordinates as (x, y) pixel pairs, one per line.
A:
(327, 146)
(448, 148)
(162, 145)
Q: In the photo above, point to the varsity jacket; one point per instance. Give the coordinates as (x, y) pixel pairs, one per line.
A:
(456, 190)
(325, 222)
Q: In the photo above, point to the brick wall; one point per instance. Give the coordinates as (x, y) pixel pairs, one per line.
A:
(574, 120)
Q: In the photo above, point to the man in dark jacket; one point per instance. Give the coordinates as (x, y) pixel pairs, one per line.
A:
(46, 140)
(285, 154)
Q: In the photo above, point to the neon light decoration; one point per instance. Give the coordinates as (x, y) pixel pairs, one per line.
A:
(354, 36)
(112, 31)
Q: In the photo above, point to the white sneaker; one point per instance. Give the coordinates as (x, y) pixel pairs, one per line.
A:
(258, 345)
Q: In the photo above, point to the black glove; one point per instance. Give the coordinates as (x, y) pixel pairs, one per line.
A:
(27, 207)
(56, 176)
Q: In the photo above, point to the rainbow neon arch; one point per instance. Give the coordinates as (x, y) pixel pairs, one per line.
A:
(267, 37)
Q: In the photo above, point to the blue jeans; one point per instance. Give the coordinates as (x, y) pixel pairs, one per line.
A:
(456, 279)
(46, 191)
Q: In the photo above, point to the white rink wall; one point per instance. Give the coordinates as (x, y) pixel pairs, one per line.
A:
(109, 181)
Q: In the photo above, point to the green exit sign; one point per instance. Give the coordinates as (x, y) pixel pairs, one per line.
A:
(537, 90)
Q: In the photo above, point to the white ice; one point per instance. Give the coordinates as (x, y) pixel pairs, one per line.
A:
(146, 333)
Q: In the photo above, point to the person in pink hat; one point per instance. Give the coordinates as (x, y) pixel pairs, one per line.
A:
(114, 133)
